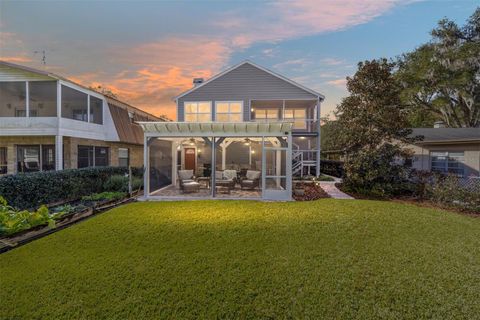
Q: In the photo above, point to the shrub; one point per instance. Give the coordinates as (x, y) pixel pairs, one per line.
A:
(30, 190)
(332, 168)
(105, 196)
(116, 183)
(448, 191)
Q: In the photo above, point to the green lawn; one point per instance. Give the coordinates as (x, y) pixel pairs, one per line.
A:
(232, 259)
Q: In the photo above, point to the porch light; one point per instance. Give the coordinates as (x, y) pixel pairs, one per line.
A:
(253, 151)
(247, 141)
(302, 138)
(192, 141)
(252, 109)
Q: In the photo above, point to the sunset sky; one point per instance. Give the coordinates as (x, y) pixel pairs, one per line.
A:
(147, 52)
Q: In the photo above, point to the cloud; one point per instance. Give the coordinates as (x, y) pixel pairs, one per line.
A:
(16, 59)
(332, 61)
(158, 71)
(340, 83)
(285, 20)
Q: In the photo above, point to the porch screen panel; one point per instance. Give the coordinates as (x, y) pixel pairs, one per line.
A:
(96, 110)
(74, 104)
(160, 164)
(43, 98)
(12, 99)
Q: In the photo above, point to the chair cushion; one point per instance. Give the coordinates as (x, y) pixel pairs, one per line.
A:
(185, 174)
(230, 174)
(252, 175)
(218, 175)
(246, 181)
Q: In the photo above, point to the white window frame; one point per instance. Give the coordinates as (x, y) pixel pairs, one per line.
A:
(265, 112)
(196, 113)
(445, 168)
(229, 112)
(128, 156)
(298, 122)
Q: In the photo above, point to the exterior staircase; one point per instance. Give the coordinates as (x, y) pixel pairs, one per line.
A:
(301, 166)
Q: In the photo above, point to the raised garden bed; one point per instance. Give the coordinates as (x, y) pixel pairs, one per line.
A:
(81, 211)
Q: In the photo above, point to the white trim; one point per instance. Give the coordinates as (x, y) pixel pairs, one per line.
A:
(229, 111)
(319, 95)
(27, 99)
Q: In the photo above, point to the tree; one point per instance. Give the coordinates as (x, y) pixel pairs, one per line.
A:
(441, 79)
(372, 127)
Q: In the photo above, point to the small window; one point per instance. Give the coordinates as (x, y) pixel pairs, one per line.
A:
(198, 111)
(3, 160)
(229, 111)
(266, 114)
(123, 157)
(448, 162)
(89, 156)
(298, 116)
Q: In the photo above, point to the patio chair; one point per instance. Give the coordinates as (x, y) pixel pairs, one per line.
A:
(251, 180)
(226, 178)
(187, 181)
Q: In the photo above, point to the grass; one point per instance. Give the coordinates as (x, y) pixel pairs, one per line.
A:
(231, 259)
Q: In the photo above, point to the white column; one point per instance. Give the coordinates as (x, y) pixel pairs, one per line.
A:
(59, 99)
(289, 166)
(58, 152)
(224, 156)
(27, 100)
(278, 165)
(318, 140)
(174, 162)
(146, 171)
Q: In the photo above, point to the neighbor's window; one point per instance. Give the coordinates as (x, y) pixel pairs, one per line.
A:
(43, 98)
(28, 158)
(89, 156)
(228, 111)
(3, 160)
(31, 158)
(298, 116)
(123, 157)
(448, 162)
(96, 110)
(198, 111)
(265, 114)
(12, 99)
(74, 104)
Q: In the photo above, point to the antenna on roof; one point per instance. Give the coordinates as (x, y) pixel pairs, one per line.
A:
(44, 55)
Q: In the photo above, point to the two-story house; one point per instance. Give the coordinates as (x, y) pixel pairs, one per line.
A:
(241, 134)
(48, 122)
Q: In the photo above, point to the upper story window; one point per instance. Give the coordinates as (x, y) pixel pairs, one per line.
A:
(75, 105)
(13, 99)
(448, 162)
(198, 111)
(229, 111)
(265, 114)
(42, 98)
(96, 110)
(298, 116)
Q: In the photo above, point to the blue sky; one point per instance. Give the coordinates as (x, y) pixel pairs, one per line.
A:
(148, 51)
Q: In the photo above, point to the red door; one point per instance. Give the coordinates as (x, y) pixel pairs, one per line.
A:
(189, 159)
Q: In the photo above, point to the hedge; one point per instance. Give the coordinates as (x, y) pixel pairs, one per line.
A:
(30, 190)
(332, 168)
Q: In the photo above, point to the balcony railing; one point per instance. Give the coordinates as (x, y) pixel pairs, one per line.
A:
(299, 125)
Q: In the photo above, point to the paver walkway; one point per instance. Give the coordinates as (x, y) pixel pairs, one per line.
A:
(332, 191)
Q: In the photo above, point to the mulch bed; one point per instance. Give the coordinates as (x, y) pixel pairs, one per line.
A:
(311, 192)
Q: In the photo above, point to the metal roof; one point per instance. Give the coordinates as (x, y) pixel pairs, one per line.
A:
(443, 135)
(215, 129)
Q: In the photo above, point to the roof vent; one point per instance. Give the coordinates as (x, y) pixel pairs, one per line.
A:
(197, 81)
(439, 124)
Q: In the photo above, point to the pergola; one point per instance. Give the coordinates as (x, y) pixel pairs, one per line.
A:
(216, 135)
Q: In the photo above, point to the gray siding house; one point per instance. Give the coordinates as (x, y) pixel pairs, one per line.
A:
(246, 121)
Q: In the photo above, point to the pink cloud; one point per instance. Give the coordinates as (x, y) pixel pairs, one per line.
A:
(340, 83)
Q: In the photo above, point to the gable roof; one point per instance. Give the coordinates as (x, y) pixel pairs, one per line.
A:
(319, 95)
(445, 135)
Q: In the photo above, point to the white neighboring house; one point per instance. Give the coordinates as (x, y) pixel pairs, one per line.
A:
(241, 134)
(48, 122)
